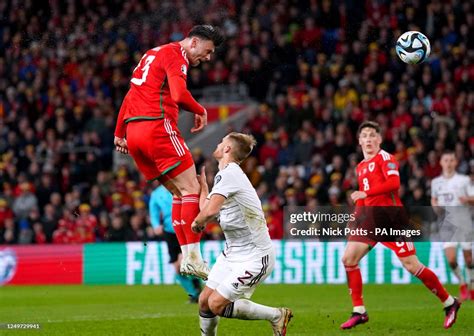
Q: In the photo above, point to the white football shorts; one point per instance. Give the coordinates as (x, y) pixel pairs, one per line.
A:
(236, 280)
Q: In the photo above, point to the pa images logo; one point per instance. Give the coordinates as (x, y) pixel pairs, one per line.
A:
(8, 262)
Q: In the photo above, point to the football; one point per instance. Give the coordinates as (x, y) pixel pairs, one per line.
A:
(413, 47)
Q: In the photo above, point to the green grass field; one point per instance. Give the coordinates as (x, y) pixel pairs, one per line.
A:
(162, 310)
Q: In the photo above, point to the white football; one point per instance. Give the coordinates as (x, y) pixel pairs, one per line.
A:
(413, 47)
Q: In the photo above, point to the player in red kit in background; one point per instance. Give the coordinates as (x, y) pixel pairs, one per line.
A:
(379, 182)
(147, 129)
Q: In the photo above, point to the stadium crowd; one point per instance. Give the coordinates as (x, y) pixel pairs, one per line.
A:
(316, 68)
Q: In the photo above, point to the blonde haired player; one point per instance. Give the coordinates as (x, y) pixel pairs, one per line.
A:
(249, 256)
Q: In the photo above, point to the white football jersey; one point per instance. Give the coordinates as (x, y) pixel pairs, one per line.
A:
(470, 193)
(241, 217)
(448, 190)
(470, 188)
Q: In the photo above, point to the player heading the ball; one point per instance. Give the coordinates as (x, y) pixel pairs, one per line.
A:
(147, 129)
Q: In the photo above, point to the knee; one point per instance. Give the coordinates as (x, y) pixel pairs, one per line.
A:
(349, 260)
(411, 266)
(215, 305)
(203, 303)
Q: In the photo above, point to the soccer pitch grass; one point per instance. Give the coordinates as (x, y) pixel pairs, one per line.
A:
(162, 310)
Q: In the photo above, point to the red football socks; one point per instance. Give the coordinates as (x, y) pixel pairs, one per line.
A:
(176, 220)
(431, 281)
(189, 211)
(354, 281)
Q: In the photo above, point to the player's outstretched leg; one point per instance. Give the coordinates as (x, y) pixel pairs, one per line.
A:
(212, 305)
(352, 255)
(431, 281)
(244, 309)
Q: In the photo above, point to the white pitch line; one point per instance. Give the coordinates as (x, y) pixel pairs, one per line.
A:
(117, 318)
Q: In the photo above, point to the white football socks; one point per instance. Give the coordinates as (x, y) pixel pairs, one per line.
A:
(184, 251)
(248, 310)
(359, 309)
(208, 325)
(449, 301)
(194, 251)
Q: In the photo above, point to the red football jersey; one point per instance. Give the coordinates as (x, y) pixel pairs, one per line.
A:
(375, 171)
(149, 96)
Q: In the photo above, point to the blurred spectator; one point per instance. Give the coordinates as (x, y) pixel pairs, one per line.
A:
(117, 231)
(64, 232)
(25, 202)
(9, 235)
(5, 213)
(49, 221)
(274, 216)
(39, 235)
(45, 189)
(138, 229)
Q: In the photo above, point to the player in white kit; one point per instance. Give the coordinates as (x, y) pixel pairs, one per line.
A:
(450, 191)
(249, 255)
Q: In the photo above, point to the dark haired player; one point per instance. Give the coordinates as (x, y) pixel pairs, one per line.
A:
(147, 129)
(379, 182)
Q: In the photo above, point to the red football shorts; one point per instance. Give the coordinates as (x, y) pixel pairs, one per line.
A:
(158, 148)
(370, 218)
(401, 249)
